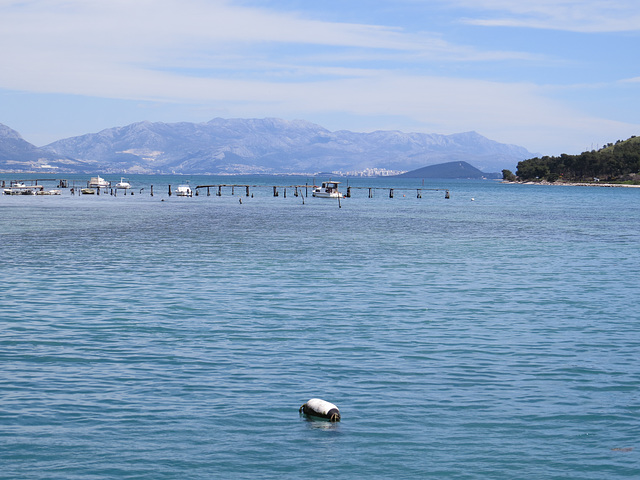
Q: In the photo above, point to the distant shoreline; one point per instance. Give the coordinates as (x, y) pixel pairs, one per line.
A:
(574, 184)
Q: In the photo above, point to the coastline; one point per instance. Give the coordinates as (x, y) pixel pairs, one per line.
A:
(573, 184)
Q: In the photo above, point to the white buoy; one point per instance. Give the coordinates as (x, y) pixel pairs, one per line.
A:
(321, 408)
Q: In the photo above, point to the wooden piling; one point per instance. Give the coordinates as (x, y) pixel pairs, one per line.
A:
(298, 190)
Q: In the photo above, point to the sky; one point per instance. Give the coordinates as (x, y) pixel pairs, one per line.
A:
(553, 76)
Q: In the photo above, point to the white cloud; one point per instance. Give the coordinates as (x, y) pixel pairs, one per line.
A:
(165, 33)
(588, 16)
(254, 62)
(123, 49)
(126, 27)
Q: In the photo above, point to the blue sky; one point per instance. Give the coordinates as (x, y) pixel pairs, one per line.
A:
(554, 76)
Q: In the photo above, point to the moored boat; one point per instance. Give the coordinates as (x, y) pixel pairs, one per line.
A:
(184, 191)
(98, 182)
(327, 190)
(123, 184)
(19, 188)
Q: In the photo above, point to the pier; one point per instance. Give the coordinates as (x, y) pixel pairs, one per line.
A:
(298, 189)
(402, 189)
(218, 189)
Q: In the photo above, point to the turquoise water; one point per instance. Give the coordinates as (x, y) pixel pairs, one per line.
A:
(170, 338)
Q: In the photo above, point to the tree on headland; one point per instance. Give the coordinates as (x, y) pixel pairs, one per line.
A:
(508, 176)
(614, 162)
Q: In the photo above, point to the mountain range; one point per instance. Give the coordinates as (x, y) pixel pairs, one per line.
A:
(251, 146)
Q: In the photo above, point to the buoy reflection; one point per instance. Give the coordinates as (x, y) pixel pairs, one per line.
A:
(319, 423)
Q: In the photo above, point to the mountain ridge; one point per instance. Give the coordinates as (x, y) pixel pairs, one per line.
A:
(16, 152)
(262, 146)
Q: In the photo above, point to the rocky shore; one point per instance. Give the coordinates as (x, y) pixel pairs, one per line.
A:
(574, 184)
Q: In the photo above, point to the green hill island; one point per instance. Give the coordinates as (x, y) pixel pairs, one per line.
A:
(448, 170)
(614, 163)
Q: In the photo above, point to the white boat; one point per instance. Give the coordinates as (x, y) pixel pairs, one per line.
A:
(327, 190)
(87, 191)
(19, 188)
(98, 182)
(123, 184)
(184, 191)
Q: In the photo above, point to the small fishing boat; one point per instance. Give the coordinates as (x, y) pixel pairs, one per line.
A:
(123, 184)
(19, 188)
(98, 182)
(88, 191)
(184, 191)
(327, 190)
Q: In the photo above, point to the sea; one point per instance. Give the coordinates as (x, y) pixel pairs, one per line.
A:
(494, 334)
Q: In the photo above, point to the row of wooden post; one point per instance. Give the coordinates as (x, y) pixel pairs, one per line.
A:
(275, 191)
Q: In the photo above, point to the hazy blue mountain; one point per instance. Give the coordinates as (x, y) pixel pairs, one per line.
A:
(449, 170)
(18, 155)
(276, 146)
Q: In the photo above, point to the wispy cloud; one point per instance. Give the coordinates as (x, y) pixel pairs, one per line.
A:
(176, 49)
(76, 36)
(589, 16)
(114, 24)
(235, 60)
